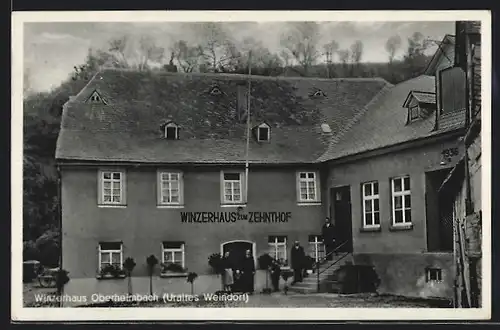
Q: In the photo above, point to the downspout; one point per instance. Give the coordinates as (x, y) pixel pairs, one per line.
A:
(59, 214)
(468, 111)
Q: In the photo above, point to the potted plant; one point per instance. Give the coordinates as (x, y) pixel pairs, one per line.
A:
(172, 268)
(286, 274)
(265, 261)
(61, 279)
(309, 264)
(129, 266)
(151, 261)
(215, 261)
(190, 279)
(112, 271)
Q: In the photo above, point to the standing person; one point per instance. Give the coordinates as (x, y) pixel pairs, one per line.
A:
(297, 258)
(328, 238)
(227, 275)
(248, 273)
(275, 271)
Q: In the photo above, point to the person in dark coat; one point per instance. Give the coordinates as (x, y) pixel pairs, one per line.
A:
(275, 271)
(328, 238)
(297, 261)
(248, 273)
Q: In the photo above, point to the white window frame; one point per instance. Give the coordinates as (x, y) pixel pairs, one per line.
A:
(401, 194)
(275, 246)
(316, 244)
(232, 183)
(411, 109)
(173, 251)
(102, 181)
(315, 182)
(372, 199)
(101, 251)
(170, 125)
(161, 182)
(267, 137)
(439, 274)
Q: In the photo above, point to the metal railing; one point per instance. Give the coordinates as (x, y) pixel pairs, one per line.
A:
(318, 263)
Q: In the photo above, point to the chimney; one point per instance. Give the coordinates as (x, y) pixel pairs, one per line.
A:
(241, 100)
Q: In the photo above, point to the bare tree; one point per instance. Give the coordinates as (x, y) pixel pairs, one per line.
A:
(356, 55)
(330, 49)
(118, 48)
(187, 57)
(301, 41)
(149, 51)
(415, 59)
(218, 51)
(262, 58)
(392, 46)
(344, 55)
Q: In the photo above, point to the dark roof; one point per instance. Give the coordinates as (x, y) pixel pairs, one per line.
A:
(127, 128)
(384, 122)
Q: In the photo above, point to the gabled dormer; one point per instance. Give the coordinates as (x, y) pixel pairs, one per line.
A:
(170, 130)
(317, 93)
(96, 97)
(420, 105)
(262, 132)
(215, 91)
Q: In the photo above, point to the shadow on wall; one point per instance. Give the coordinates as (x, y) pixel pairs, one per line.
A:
(425, 275)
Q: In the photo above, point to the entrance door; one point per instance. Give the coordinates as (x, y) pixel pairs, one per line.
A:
(341, 201)
(237, 251)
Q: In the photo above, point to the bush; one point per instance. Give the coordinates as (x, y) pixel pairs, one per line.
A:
(113, 270)
(30, 252)
(215, 261)
(48, 246)
(265, 261)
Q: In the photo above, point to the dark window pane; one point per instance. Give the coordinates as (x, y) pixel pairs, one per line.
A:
(263, 131)
(303, 175)
(368, 219)
(281, 239)
(107, 175)
(310, 175)
(231, 176)
(398, 202)
(397, 184)
(171, 132)
(407, 183)
(408, 216)
(376, 206)
(172, 244)
(110, 245)
(375, 188)
(407, 201)
(116, 176)
(377, 218)
(368, 206)
(368, 189)
(399, 217)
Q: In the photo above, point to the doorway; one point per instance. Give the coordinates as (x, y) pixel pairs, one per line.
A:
(340, 198)
(237, 250)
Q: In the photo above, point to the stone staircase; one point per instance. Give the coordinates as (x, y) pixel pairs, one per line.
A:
(327, 277)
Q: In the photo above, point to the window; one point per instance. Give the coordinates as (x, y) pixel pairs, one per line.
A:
(401, 201)
(433, 275)
(171, 131)
(414, 112)
(110, 253)
(263, 134)
(170, 188)
(112, 187)
(316, 247)
(232, 187)
(95, 98)
(215, 91)
(277, 248)
(371, 212)
(307, 187)
(173, 253)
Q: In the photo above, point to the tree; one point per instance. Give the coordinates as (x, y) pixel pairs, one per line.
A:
(129, 266)
(118, 48)
(263, 61)
(218, 51)
(415, 59)
(151, 261)
(392, 46)
(149, 52)
(301, 41)
(356, 55)
(344, 55)
(330, 49)
(190, 279)
(187, 57)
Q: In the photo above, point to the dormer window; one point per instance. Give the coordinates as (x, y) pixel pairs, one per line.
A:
(419, 105)
(318, 93)
(263, 132)
(171, 131)
(95, 97)
(215, 91)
